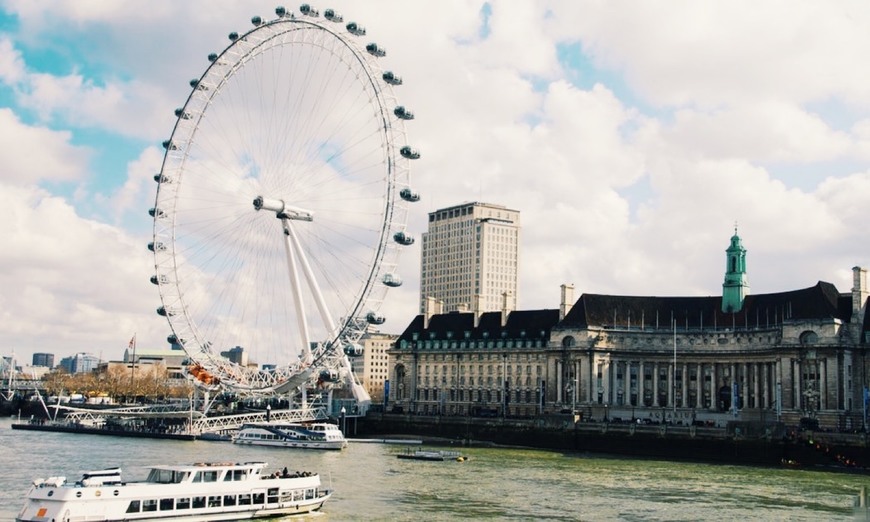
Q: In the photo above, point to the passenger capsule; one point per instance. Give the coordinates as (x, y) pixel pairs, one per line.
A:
(409, 152)
(402, 113)
(156, 212)
(329, 375)
(409, 195)
(160, 178)
(156, 247)
(233, 36)
(168, 145)
(212, 57)
(356, 29)
(353, 350)
(374, 50)
(307, 10)
(164, 312)
(391, 78)
(332, 16)
(403, 239)
(392, 280)
(375, 318)
(179, 113)
(280, 11)
(257, 21)
(159, 280)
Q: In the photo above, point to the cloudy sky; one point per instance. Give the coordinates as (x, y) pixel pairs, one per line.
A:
(630, 135)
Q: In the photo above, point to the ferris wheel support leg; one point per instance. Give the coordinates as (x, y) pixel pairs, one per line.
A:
(289, 240)
(312, 284)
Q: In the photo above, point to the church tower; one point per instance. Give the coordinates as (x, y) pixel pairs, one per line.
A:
(736, 287)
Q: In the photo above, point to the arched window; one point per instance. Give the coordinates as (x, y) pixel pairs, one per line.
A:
(809, 337)
(568, 342)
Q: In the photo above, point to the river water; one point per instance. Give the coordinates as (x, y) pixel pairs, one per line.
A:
(496, 484)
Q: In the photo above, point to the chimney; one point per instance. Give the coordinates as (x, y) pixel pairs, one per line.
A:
(432, 307)
(859, 294)
(567, 300)
(506, 307)
(475, 308)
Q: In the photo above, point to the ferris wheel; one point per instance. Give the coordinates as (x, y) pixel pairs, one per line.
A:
(282, 204)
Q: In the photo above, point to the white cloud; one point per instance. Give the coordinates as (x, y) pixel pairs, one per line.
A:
(70, 284)
(36, 154)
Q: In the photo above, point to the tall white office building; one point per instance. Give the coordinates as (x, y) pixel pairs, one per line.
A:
(470, 258)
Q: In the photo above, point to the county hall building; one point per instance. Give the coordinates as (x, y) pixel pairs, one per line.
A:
(783, 356)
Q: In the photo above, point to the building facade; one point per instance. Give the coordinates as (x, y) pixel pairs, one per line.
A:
(371, 367)
(783, 356)
(470, 257)
(43, 359)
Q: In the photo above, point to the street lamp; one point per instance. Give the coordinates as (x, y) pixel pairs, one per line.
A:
(343, 412)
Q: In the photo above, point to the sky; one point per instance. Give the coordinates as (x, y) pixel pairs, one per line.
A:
(632, 136)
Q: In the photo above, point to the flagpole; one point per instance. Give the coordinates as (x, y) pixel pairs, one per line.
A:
(133, 361)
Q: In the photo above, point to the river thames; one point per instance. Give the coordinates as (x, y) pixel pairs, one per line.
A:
(496, 484)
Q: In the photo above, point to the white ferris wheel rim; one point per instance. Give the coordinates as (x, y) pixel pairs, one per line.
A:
(295, 111)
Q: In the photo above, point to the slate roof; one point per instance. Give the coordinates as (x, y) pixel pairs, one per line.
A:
(520, 324)
(821, 301)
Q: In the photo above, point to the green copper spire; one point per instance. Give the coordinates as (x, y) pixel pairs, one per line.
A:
(736, 287)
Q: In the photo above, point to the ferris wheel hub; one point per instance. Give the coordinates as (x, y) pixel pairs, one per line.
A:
(283, 210)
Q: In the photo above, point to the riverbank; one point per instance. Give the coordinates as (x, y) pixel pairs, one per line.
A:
(738, 443)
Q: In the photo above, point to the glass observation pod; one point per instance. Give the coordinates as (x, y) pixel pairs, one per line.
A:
(156, 247)
(159, 280)
(307, 10)
(402, 113)
(375, 318)
(353, 350)
(409, 195)
(392, 280)
(196, 85)
(173, 339)
(179, 113)
(233, 36)
(164, 312)
(168, 145)
(281, 11)
(391, 78)
(332, 16)
(156, 212)
(161, 178)
(356, 29)
(329, 375)
(409, 152)
(403, 239)
(257, 21)
(374, 50)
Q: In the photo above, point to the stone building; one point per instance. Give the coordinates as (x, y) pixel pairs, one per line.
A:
(783, 356)
(371, 366)
(470, 257)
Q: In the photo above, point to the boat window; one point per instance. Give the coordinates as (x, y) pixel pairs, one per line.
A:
(245, 499)
(259, 498)
(209, 476)
(133, 507)
(182, 503)
(214, 501)
(272, 495)
(149, 505)
(229, 500)
(167, 504)
(309, 493)
(298, 494)
(198, 502)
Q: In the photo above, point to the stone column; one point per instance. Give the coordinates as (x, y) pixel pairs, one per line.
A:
(699, 385)
(559, 390)
(640, 384)
(672, 374)
(626, 384)
(714, 400)
(684, 386)
(796, 389)
(823, 384)
(655, 384)
(745, 386)
(765, 384)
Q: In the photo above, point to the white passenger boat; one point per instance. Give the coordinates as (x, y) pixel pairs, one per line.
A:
(195, 492)
(315, 435)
